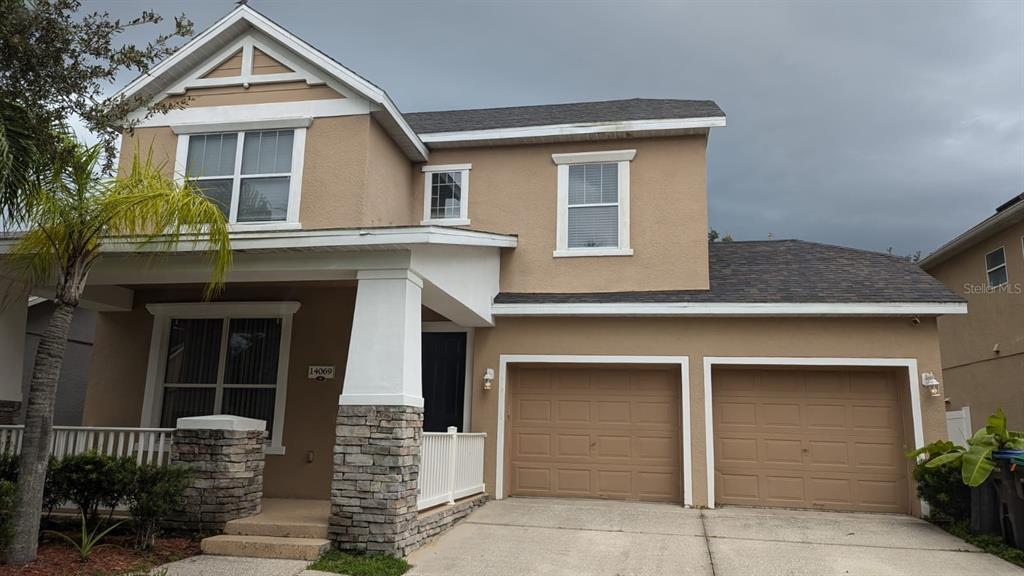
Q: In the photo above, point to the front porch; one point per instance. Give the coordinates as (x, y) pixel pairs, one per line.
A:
(307, 341)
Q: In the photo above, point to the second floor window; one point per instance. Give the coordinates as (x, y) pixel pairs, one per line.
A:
(995, 267)
(593, 203)
(446, 194)
(247, 174)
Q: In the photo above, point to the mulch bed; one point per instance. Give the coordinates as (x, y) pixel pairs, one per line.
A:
(58, 558)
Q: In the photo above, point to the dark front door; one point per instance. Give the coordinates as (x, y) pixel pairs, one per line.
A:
(444, 380)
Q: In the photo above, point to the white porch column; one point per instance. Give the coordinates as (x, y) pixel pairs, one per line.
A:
(13, 318)
(383, 366)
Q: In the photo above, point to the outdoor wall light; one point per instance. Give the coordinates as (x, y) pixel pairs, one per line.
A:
(929, 381)
(488, 378)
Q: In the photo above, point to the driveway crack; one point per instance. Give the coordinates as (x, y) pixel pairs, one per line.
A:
(707, 542)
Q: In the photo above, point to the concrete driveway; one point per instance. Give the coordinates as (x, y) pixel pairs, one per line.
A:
(527, 536)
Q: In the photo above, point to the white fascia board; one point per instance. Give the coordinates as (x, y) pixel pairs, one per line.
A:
(730, 309)
(290, 239)
(572, 129)
(319, 59)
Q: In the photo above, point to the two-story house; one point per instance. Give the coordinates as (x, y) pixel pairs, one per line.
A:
(541, 274)
(983, 351)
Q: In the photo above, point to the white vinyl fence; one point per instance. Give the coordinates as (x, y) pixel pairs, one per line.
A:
(958, 425)
(146, 445)
(451, 467)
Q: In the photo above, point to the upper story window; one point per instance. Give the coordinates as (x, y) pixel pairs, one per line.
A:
(995, 267)
(253, 176)
(446, 194)
(593, 203)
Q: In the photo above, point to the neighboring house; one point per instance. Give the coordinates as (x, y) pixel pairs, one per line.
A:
(983, 352)
(540, 273)
(74, 373)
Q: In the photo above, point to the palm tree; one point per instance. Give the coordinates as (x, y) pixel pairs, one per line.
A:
(70, 211)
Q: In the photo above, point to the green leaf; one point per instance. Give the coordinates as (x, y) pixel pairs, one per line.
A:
(977, 465)
(996, 425)
(944, 459)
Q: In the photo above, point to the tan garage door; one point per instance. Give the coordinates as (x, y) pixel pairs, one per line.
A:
(810, 439)
(603, 432)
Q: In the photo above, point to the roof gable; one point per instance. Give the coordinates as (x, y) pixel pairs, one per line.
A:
(210, 56)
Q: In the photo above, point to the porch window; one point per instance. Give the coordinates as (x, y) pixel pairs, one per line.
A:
(446, 194)
(249, 175)
(228, 358)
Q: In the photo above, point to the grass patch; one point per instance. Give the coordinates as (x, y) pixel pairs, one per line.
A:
(360, 564)
(991, 543)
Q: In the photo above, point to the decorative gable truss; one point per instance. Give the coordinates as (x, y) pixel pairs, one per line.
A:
(245, 50)
(250, 61)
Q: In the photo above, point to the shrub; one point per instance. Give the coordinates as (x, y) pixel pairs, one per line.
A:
(89, 480)
(8, 467)
(154, 494)
(944, 489)
(6, 512)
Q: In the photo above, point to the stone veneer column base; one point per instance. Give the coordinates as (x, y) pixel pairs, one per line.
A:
(228, 476)
(376, 470)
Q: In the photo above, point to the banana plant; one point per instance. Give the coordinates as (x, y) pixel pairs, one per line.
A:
(975, 461)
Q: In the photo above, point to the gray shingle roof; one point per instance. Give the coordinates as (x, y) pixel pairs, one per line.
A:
(784, 271)
(580, 112)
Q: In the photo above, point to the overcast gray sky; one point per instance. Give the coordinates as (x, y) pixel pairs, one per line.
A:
(868, 124)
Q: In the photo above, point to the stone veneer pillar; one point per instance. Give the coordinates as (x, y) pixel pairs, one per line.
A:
(376, 472)
(226, 456)
(380, 418)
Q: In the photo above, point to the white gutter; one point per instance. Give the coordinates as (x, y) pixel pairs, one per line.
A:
(572, 129)
(298, 239)
(729, 309)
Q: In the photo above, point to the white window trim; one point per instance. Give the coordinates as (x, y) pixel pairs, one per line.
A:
(988, 270)
(563, 161)
(291, 221)
(463, 219)
(162, 316)
(447, 326)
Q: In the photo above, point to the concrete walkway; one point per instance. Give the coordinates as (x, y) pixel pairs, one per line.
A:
(543, 537)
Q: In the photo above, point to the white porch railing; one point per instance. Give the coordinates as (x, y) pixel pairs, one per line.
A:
(146, 445)
(451, 467)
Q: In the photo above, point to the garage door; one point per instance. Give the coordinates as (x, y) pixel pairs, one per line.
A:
(810, 439)
(595, 433)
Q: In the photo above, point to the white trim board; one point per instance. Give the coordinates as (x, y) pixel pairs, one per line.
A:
(354, 238)
(728, 309)
(684, 367)
(552, 130)
(910, 364)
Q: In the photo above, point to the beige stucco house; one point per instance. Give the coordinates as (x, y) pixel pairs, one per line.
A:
(983, 351)
(539, 274)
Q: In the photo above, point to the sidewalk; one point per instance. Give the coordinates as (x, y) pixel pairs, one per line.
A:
(233, 566)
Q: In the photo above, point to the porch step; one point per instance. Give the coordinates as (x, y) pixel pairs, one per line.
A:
(265, 547)
(259, 526)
